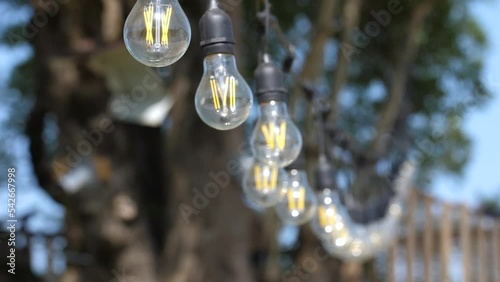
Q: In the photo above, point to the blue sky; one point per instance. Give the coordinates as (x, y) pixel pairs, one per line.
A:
(482, 174)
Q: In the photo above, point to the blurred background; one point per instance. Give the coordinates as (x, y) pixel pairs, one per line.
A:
(109, 185)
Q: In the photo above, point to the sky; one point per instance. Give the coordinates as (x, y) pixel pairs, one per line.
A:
(482, 174)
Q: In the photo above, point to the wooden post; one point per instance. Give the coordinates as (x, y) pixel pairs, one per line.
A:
(496, 250)
(410, 235)
(482, 253)
(372, 271)
(446, 233)
(352, 272)
(428, 237)
(465, 244)
(391, 261)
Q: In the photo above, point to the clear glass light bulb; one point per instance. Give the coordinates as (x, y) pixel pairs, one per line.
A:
(299, 202)
(263, 184)
(275, 137)
(360, 248)
(380, 235)
(223, 99)
(157, 33)
(331, 220)
(338, 243)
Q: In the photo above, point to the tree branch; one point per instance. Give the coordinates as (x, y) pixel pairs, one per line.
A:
(313, 65)
(400, 74)
(324, 30)
(351, 16)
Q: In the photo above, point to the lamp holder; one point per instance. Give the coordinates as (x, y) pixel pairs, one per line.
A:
(270, 82)
(216, 31)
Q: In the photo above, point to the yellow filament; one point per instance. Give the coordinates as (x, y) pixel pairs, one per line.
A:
(296, 203)
(148, 21)
(291, 201)
(268, 179)
(322, 216)
(218, 94)
(232, 93)
(274, 178)
(268, 132)
(325, 219)
(274, 138)
(281, 138)
(215, 95)
(257, 174)
(301, 200)
(165, 25)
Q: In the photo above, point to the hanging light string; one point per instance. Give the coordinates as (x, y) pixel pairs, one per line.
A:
(374, 209)
(364, 214)
(267, 23)
(267, 12)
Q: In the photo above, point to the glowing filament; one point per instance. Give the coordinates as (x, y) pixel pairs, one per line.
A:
(161, 32)
(326, 217)
(296, 199)
(266, 178)
(275, 138)
(165, 24)
(218, 95)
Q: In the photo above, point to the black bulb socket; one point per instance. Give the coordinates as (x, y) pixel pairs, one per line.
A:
(270, 83)
(216, 32)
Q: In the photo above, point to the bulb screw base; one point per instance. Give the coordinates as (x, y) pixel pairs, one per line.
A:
(325, 175)
(270, 83)
(216, 32)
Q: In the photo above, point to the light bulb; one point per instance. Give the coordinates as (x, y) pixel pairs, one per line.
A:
(223, 99)
(157, 33)
(357, 248)
(381, 235)
(275, 137)
(360, 248)
(263, 184)
(331, 219)
(299, 202)
(339, 242)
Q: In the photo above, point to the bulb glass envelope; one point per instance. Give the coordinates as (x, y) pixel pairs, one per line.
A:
(157, 33)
